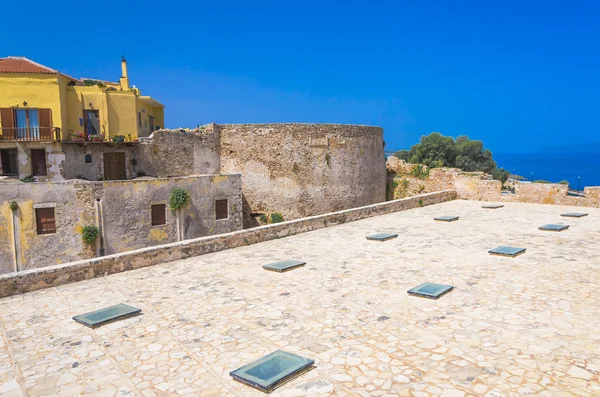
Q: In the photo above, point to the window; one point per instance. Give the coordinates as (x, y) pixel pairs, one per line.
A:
(38, 162)
(159, 214)
(88, 158)
(46, 223)
(8, 158)
(91, 122)
(140, 119)
(26, 124)
(221, 209)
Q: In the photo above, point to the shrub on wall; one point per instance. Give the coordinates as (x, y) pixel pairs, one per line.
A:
(276, 217)
(90, 234)
(179, 199)
(420, 172)
(14, 206)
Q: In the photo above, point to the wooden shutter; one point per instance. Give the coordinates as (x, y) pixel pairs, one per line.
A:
(8, 122)
(221, 209)
(159, 215)
(45, 120)
(46, 223)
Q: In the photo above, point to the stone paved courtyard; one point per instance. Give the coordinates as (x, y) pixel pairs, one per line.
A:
(512, 326)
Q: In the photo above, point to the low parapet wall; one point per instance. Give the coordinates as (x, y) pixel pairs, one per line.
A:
(476, 186)
(35, 279)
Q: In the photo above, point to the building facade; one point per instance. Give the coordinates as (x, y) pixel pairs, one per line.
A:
(40, 108)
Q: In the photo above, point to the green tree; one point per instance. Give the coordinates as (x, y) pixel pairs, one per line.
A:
(471, 156)
(434, 150)
(500, 174)
(402, 154)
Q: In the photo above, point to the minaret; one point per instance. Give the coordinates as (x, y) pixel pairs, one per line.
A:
(124, 78)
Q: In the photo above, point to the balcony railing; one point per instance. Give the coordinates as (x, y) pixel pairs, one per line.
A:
(35, 134)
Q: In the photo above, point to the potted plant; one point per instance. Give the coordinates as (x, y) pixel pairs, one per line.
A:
(97, 138)
(78, 137)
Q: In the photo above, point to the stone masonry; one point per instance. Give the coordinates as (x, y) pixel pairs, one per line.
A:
(480, 186)
(304, 169)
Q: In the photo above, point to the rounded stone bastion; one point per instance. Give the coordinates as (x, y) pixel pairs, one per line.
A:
(301, 170)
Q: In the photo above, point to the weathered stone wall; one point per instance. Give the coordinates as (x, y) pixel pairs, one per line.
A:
(304, 169)
(77, 168)
(36, 279)
(42, 250)
(127, 216)
(173, 153)
(55, 159)
(479, 186)
(121, 209)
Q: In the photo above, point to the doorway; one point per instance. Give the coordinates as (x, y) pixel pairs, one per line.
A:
(9, 161)
(91, 122)
(114, 166)
(38, 162)
(151, 124)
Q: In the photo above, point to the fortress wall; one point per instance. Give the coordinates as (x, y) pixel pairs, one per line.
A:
(304, 169)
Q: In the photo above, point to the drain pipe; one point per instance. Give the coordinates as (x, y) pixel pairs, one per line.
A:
(16, 239)
(100, 251)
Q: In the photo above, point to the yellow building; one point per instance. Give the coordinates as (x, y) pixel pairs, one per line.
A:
(38, 103)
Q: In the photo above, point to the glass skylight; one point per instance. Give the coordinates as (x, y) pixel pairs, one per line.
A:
(269, 372)
(100, 317)
(492, 206)
(382, 236)
(574, 214)
(554, 227)
(430, 290)
(446, 218)
(507, 251)
(284, 266)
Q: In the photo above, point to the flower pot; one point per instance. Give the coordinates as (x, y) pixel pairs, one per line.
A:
(97, 140)
(77, 139)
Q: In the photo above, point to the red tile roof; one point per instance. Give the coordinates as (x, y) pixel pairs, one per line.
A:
(24, 65)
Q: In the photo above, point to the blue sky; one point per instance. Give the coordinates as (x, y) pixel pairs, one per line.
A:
(519, 75)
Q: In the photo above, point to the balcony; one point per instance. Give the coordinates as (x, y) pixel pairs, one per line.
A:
(36, 134)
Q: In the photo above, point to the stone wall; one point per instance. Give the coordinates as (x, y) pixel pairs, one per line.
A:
(55, 159)
(121, 209)
(480, 186)
(173, 153)
(77, 168)
(36, 279)
(166, 154)
(304, 169)
(72, 211)
(126, 210)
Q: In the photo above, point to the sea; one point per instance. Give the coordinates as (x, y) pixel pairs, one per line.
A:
(578, 168)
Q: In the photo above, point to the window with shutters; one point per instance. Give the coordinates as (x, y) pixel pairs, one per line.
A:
(159, 214)
(38, 162)
(46, 223)
(26, 124)
(221, 209)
